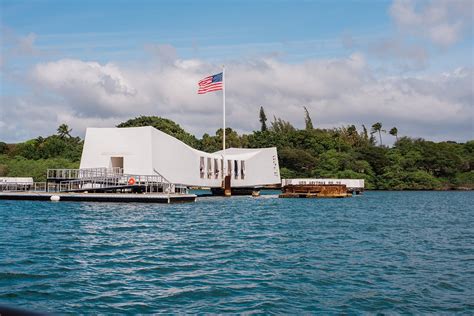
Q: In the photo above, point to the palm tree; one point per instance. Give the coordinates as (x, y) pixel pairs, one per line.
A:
(63, 130)
(394, 132)
(377, 127)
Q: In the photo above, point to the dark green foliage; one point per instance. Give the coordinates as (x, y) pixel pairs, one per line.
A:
(377, 128)
(409, 180)
(307, 120)
(394, 132)
(464, 179)
(63, 131)
(165, 125)
(334, 164)
(298, 160)
(33, 157)
(267, 139)
(22, 167)
(281, 126)
(214, 143)
(411, 164)
(377, 157)
(51, 147)
(3, 148)
(263, 119)
(286, 173)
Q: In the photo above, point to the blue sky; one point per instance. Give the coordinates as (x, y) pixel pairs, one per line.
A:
(382, 42)
(120, 29)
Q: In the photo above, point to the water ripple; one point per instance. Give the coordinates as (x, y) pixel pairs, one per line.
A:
(388, 252)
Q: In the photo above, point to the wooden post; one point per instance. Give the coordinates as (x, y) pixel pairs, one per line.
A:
(227, 186)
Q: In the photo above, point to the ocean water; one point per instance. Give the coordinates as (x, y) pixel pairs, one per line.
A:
(390, 252)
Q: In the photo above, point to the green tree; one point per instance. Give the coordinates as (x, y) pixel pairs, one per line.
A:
(394, 132)
(210, 144)
(63, 131)
(330, 162)
(350, 136)
(377, 128)
(376, 156)
(307, 119)
(421, 180)
(165, 125)
(281, 126)
(263, 119)
(3, 148)
(365, 133)
(286, 173)
(36, 168)
(412, 163)
(351, 130)
(465, 180)
(232, 139)
(297, 160)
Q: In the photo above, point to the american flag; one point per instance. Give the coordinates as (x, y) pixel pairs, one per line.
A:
(211, 83)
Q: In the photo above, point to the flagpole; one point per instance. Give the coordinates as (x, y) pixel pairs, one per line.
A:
(223, 115)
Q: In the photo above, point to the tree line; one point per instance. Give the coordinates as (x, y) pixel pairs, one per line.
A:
(342, 152)
(33, 157)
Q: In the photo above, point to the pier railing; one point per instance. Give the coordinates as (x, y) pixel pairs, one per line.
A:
(67, 174)
(113, 181)
(23, 187)
(98, 180)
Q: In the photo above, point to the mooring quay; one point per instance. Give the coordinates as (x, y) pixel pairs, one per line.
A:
(113, 185)
(97, 185)
(99, 197)
(321, 188)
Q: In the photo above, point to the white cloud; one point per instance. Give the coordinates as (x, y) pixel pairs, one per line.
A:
(88, 87)
(406, 55)
(443, 22)
(336, 91)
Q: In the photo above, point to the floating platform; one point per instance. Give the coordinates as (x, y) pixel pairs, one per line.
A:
(353, 186)
(315, 191)
(99, 197)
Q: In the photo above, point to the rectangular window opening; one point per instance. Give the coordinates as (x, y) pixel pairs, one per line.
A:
(236, 169)
(201, 167)
(209, 168)
(216, 169)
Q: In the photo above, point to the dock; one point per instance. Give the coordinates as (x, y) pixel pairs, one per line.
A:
(321, 188)
(315, 191)
(97, 185)
(100, 197)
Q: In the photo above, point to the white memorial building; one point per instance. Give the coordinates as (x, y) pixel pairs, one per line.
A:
(148, 151)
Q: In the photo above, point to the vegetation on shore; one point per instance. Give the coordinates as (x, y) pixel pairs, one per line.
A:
(33, 157)
(344, 152)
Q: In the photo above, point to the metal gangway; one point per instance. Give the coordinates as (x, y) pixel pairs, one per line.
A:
(108, 180)
(70, 174)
